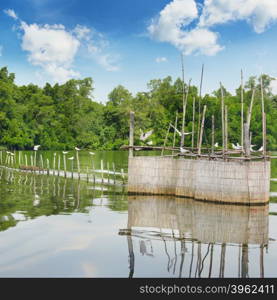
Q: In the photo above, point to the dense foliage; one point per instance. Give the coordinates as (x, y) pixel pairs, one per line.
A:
(63, 116)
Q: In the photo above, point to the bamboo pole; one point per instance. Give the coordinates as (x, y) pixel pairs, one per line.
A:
(131, 133)
(199, 106)
(226, 128)
(193, 120)
(246, 140)
(263, 116)
(78, 162)
(72, 167)
(113, 173)
(212, 134)
(184, 115)
(54, 163)
(48, 166)
(59, 164)
(174, 135)
(93, 171)
(250, 108)
(1, 157)
(183, 101)
(102, 175)
(201, 132)
(26, 160)
(264, 134)
(242, 109)
(108, 169)
(165, 140)
(64, 164)
(222, 118)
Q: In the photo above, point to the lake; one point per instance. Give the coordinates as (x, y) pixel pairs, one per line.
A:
(51, 226)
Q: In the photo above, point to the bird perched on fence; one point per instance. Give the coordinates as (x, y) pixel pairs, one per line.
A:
(216, 145)
(71, 158)
(251, 148)
(261, 149)
(182, 150)
(236, 147)
(77, 149)
(65, 152)
(91, 153)
(146, 135)
(36, 147)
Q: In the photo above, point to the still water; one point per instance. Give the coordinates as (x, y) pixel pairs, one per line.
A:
(52, 226)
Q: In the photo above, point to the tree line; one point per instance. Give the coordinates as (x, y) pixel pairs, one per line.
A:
(62, 116)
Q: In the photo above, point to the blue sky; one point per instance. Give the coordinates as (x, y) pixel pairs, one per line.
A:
(131, 42)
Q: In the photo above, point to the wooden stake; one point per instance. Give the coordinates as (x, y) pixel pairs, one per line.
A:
(72, 167)
(48, 166)
(54, 163)
(19, 158)
(184, 115)
(226, 128)
(113, 173)
(222, 118)
(202, 128)
(263, 117)
(242, 121)
(212, 134)
(102, 175)
(59, 164)
(131, 133)
(193, 120)
(251, 107)
(87, 175)
(1, 157)
(165, 140)
(26, 160)
(174, 135)
(64, 165)
(108, 169)
(93, 171)
(199, 106)
(246, 143)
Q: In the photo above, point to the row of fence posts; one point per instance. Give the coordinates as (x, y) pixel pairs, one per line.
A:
(44, 165)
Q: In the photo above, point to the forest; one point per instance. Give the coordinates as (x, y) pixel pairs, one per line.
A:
(62, 116)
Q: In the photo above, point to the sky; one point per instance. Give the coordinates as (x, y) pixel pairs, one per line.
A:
(129, 43)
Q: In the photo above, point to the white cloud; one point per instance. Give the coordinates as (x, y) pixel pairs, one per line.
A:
(259, 13)
(273, 86)
(82, 32)
(161, 59)
(170, 25)
(11, 13)
(51, 47)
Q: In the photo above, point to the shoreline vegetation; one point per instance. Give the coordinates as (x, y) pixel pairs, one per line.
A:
(61, 116)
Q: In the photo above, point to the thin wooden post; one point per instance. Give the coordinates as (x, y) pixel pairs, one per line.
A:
(131, 134)
(264, 134)
(202, 129)
(263, 116)
(54, 163)
(93, 171)
(72, 167)
(212, 134)
(185, 101)
(242, 112)
(26, 160)
(122, 174)
(59, 164)
(226, 128)
(250, 108)
(102, 175)
(222, 118)
(78, 163)
(32, 160)
(19, 158)
(184, 109)
(108, 169)
(199, 106)
(64, 164)
(174, 135)
(87, 175)
(165, 140)
(193, 120)
(246, 140)
(1, 157)
(41, 162)
(48, 166)
(113, 173)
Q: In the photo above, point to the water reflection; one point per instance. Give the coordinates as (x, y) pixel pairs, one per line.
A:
(203, 237)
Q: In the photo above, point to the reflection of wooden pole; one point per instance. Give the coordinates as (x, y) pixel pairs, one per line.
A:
(202, 129)
(131, 256)
(183, 247)
(244, 261)
(222, 260)
(192, 256)
(211, 260)
(262, 261)
(131, 134)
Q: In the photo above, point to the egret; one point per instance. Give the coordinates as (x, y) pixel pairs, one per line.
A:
(236, 147)
(239, 146)
(150, 143)
(77, 149)
(182, 150)
(216, 145)
(71, 158)
(261, 149)
(91, 153)
(65, 152)
(251, 148)
(36, 147)
(144, 136)
(179, 133)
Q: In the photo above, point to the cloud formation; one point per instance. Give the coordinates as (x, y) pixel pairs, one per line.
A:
(188, 27)
(54, 47)
(161, 59)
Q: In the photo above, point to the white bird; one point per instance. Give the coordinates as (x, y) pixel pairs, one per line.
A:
(12, 154)
(216, 144)
(76, 148)
(251, 148)
(91, 153)
(261, 149)
(182, 150)
(150, 143)
(180, 134)
(144, 136)
(65, 152)
(71, 158)
(36, 147)
(239, 146)
(236, 147)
